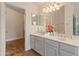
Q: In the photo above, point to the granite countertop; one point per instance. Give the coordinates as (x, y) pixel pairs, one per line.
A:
(74, 42)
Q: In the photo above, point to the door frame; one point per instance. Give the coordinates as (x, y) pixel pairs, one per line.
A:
(27, 29)
(2, 29)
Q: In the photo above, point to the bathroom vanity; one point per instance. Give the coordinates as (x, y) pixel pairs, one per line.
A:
(54, 46)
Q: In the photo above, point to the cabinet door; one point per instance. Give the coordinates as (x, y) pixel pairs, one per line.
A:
(65, 53)
(51, 50)
(32, 41)
(67, 50)
(39, 45)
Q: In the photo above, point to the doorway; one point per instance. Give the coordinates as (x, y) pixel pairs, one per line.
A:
(14, 30)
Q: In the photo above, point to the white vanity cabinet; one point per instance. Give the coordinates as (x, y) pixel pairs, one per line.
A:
(40, 45)
(65, 53)
(32, 41)
(51, 48)
(37, 44)
(67, 50)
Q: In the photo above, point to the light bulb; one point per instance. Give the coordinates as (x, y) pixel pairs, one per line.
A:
(57, 8)
(53, 9)
(47, 11)
(44, 10)
(50, 10)
(55, 5)
(47, 8)
(33, 15)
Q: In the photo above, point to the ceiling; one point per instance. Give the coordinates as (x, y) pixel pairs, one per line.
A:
(35, 3)
(39, 3)
(9, 5)
(18, 9)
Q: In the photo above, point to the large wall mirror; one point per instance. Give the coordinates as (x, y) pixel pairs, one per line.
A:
(54, 18)
(66, 19)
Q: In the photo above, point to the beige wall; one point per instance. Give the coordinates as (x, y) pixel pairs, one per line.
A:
(0, 19)
(14, 24)
(69, 19)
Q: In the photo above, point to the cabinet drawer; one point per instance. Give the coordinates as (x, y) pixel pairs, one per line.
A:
(68, 48)
(51, 42)
(65, 53)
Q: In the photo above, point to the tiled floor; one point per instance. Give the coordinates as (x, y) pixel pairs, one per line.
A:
(16, 48)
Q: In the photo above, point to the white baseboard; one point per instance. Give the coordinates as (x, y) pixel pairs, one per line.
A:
(14, 38)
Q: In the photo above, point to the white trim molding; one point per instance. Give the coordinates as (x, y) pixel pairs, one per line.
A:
(2, 30)
(16, 38)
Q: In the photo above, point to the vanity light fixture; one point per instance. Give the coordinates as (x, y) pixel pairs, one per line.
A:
(52, 7)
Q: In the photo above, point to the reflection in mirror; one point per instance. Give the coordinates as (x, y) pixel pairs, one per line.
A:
(34, 22)
(55, 18)
(66, 20)
(36, 19)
